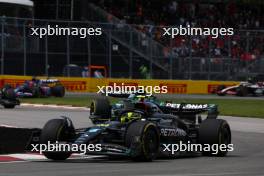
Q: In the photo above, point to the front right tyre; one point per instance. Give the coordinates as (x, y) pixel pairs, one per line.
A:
(215, 132)
(142, 137)
(100, 110)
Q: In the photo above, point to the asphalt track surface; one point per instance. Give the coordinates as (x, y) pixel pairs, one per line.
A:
(246, 160)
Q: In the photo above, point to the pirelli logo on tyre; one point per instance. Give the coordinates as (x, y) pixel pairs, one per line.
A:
(175, 88)
(74, 85)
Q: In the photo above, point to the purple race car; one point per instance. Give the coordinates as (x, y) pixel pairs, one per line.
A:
(40, 88)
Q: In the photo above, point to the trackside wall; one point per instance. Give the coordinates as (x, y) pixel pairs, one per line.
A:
(90, 84)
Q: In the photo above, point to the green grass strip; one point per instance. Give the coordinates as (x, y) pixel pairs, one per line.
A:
(230, 107)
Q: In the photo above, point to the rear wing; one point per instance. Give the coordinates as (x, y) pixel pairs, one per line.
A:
(49, 80)
(126, 95)
(118, 95)
(192, 108)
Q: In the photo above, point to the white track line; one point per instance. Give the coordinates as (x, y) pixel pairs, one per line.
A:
(7, 126)
(54, 106)
(37, 157)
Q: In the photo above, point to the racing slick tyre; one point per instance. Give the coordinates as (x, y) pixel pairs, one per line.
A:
(9, 93)
(100, 110)
(58, 91)
(242, 91)
(143, 139)
(214, 132)
(56, 130)
(7, 86)
(10, 96)
(36, 92)
(218, 90)
(9, 106)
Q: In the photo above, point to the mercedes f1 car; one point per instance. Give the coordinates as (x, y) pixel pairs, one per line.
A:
(101, 108)
(8, 97)
(140, 132)
(40, 88)
(242, 89)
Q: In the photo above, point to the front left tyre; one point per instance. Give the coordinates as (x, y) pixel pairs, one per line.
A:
(53, 131)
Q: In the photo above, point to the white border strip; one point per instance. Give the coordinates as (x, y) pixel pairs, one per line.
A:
(7, 126)
(54, 106)
(27, 157)
(20, 2)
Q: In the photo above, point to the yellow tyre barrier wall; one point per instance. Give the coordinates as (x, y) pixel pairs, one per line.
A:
(90, 84)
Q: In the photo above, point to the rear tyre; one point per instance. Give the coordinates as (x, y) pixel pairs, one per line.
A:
(58, 91)
(36, 92)
(242, 91)
(7, 86)
(9, 106)
(142, 138)
(100, 110)
(56, 130)
(9, 93)
(10, 96)
(215, 132)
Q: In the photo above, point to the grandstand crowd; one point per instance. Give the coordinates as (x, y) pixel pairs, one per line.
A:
(150, 17)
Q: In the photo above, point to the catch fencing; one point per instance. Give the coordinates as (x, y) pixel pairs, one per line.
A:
(127, 51)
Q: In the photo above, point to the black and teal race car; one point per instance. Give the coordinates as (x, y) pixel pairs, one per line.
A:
(101, 109)
(142, 132)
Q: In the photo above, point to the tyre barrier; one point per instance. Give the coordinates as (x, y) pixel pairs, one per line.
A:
(16, 140)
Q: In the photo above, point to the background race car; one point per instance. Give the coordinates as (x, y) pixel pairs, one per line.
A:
(101, 109)
(8, 97)
(242, 89)
(40, 88)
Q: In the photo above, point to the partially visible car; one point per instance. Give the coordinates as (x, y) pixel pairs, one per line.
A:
(8, 97)
(242, 89)
(101, 109)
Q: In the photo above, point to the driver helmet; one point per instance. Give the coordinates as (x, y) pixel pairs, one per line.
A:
(128, 116)
(34, 79)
